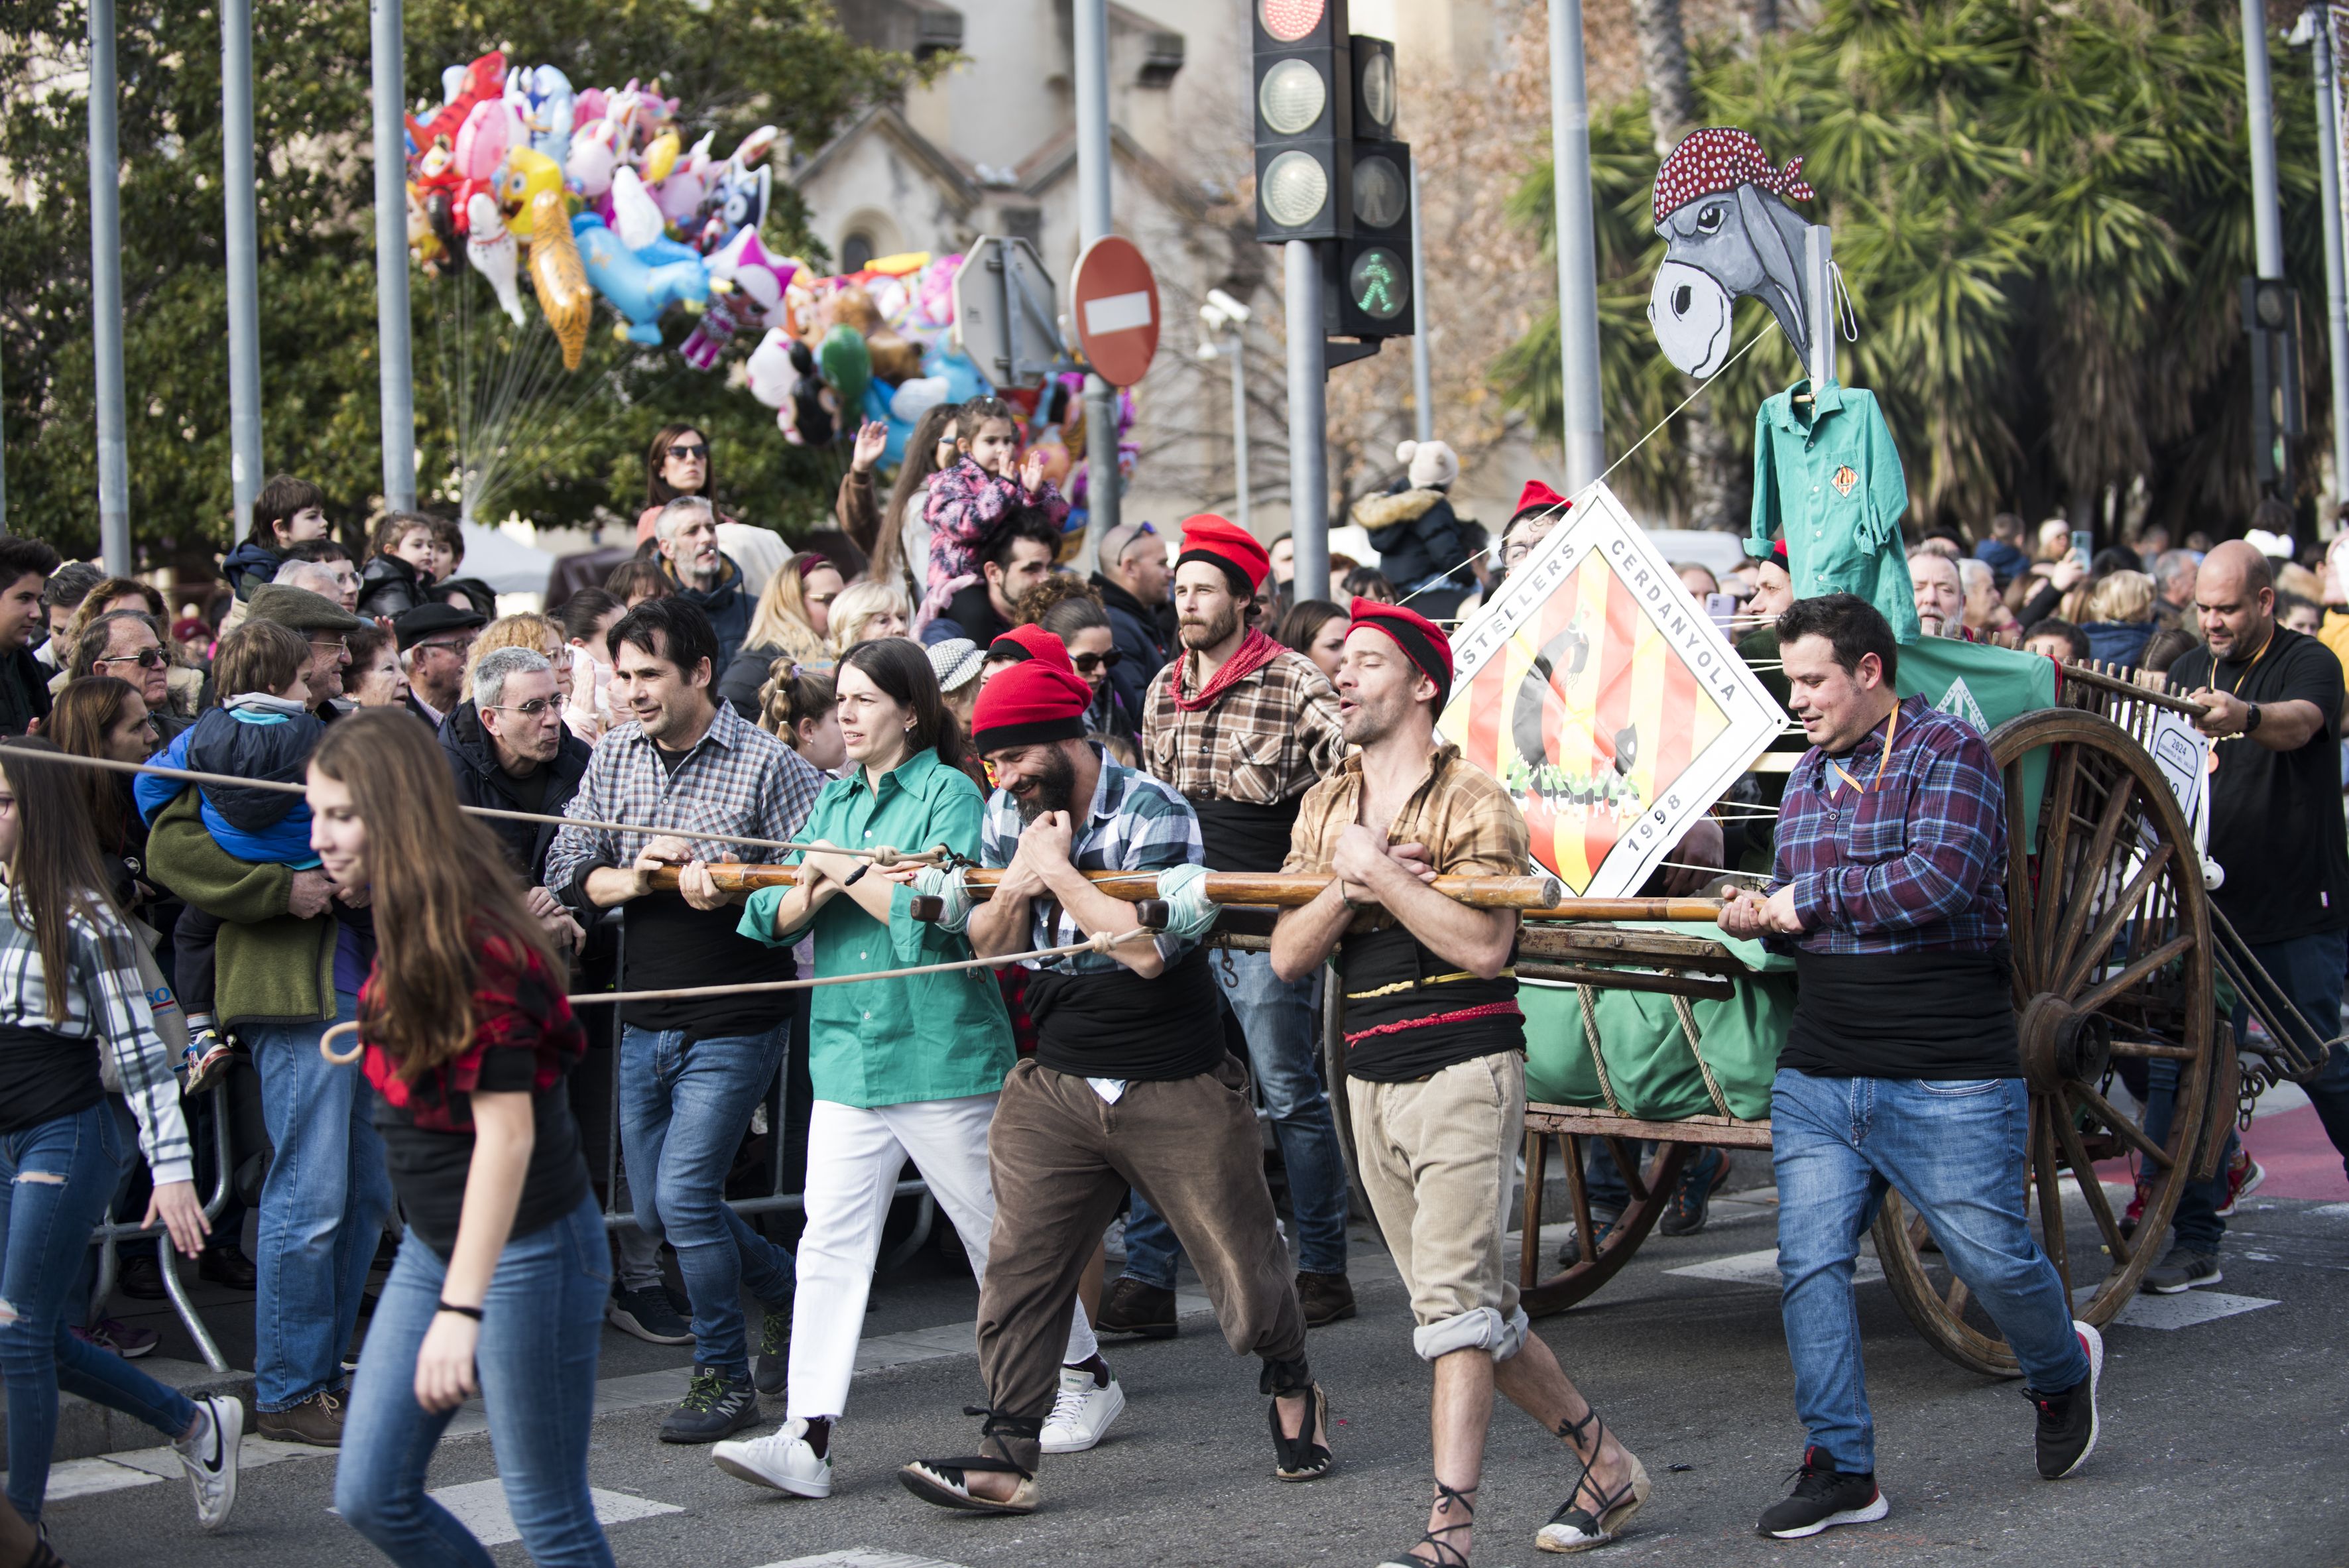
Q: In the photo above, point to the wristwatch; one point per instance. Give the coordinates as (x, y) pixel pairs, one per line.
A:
(2251, 719)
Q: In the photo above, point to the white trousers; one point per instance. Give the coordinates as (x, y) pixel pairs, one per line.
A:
(853, 1158)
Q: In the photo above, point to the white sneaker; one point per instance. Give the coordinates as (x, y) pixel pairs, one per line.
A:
(781, 1460)
(210, 1455)
(1082, 1414)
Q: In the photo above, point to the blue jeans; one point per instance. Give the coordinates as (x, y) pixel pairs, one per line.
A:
(322, 1211)
(55, 1181)
(541, 1323)
(1282, 1021)
(683, 1111)
(1955, 1152)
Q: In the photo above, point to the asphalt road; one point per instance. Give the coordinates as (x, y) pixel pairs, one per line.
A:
(2224, 1442)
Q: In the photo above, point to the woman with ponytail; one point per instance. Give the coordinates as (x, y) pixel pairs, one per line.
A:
(502, 1280)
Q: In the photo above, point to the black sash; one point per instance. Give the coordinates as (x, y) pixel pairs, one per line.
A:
(1904, 1016)
(1411, 1014)
(1117, 1024)
(1240, 836)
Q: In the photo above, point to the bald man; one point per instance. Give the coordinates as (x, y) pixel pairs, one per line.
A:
(2271, 698)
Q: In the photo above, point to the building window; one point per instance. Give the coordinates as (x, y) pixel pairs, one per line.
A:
(856, 251)
(1024, 223)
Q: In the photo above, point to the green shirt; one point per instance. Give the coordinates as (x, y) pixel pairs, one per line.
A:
(1829, 482)
(923, 1037)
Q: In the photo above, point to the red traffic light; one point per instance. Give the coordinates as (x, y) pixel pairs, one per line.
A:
(1290, 20)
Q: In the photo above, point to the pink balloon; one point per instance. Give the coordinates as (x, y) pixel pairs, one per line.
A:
(481, 139)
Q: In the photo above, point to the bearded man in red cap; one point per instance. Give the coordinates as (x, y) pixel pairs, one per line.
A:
(1436, 1065)
(1243, 728)
(1132, 1084)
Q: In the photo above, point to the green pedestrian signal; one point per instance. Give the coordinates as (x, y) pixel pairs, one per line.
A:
(1379, 283)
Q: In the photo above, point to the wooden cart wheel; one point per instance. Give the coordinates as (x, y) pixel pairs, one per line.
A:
(2111, 934)
(1651, 1189)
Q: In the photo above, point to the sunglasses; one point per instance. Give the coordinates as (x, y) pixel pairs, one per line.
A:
(1088, 663)
(536, 707)
(145, 658)
(685, 454)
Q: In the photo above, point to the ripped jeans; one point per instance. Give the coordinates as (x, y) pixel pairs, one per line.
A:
(55, 1181)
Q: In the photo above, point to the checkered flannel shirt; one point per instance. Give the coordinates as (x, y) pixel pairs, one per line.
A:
(1914, 860)
(1134, 824)
(1469, 822)
(106, 1004)
(737, 780)
(1270, 739)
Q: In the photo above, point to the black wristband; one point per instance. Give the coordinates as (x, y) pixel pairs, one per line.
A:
(472, 1312)
(2251, 719)
(861, 867)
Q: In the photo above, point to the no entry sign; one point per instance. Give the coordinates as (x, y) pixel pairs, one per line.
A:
(1116, 310)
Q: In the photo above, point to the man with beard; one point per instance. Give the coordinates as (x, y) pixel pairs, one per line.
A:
(687, 530)
(1436, 1065)
(1131, 1084)
(1242, 727)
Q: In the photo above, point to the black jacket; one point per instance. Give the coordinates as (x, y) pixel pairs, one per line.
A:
(969, 614)
(388, 586)
(1417, 536)
(728, 607)
(481, 780)
(1141, 650)
(23, 691)
(250, 565)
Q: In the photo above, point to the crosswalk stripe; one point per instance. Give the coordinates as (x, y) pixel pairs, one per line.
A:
(864, 1557)
(480, 1507)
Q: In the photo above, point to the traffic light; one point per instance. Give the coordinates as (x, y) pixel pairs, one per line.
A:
(1367, 274)
(1305, 95)
(2271, 318)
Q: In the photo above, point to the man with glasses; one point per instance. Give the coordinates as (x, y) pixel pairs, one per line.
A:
(433, 641)
(1539, 510)
(1131, 582)
(124, 643)
(325, 624)
(510, 751)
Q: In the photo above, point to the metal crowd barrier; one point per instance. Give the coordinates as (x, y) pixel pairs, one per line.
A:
(109, 1236)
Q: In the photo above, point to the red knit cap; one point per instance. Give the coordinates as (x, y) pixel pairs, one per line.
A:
(1538, 497)
(1225, 543)
(1029, 705)
(1718, 160)
(1422, 642)
(1024, 642)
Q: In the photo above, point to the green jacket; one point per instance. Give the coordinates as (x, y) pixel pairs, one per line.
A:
(269, 966)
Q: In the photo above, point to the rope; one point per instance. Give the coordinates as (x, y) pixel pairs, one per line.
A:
(1098, 942)
(1590, 1038)
(1688, 1030)
(882, 855)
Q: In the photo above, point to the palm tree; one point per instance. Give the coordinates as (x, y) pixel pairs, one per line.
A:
(2040, 213)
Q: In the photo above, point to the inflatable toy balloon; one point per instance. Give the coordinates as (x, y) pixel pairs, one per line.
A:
(441, 210)
(846, 363)
(496, 255)
(900, 265)
(962, 377)
(483, 79)
(745, 262)
(550, 113)
(637, 291)
(594, 156)
(558, 278)
(729, 312)
(452, 82)
(635, 218)
(664, 250)
(852, 307)
(481, 144)
(894, 360)
(660, 156)
(917, 398)
(770, 370)
(526, 177)
(681, 195)
(735, 201)
(589, 105)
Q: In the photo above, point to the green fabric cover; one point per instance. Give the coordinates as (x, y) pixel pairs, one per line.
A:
(1647, 1060)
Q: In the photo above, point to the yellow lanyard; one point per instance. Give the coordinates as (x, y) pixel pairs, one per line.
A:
(1891, 726)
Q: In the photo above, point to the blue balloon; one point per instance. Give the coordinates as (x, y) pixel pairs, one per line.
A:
(665, 250)
(640, 292)
(963, 380)
(876, 406)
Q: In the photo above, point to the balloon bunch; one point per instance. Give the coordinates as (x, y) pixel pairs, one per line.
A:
(599, 190)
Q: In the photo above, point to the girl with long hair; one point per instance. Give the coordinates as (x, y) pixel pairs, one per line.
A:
(1316, 628)
(500, 1282)
(903, 1069)
(70, 994)
(791, 621)
(802, 708)
(99, 715)
(969, 502)
(901, 555)
(678, 462)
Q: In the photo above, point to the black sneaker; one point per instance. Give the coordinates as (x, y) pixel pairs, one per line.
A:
(1692, 1200)
(2181, 1271)
(1132, 1307)
(141, 1274)
(647, 1315)
(715, 1407)
(2067, 1421)
(774, 1352)
(1823, 1498)
(1602, 1223)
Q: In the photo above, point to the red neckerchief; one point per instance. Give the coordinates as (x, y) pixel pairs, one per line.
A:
(1256, 651)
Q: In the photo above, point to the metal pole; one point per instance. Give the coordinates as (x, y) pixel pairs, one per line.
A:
(1577, 265)
(1422, 400)
(1092, 65)
(2267, 221)
(1308, 459)
(392, 259)
(2336, 285)
(106, 297)
(1819, 279)
(243, 262)
(1239, 425)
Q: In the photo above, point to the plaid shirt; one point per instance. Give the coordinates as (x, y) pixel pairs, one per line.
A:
(108, 1002)
(1270, 738)
(1910, 860)
(737, 780)
(1469, 822)
(1134, 824)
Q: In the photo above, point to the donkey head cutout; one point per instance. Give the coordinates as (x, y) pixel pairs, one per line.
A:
(1727, 234)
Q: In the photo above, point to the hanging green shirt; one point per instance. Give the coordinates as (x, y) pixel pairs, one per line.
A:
(1828, 479)
(923, 1037)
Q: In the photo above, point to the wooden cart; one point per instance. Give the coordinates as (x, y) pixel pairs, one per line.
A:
(2113, 958)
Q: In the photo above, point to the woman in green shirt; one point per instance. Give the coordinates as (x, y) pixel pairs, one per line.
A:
(903, 1069)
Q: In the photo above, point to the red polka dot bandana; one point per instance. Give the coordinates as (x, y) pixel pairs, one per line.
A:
(1717, 158)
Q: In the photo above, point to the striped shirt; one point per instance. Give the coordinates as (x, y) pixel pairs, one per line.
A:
(1134, 824)
(106, 1002)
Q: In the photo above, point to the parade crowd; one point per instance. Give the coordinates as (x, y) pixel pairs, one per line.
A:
(404, 1043)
